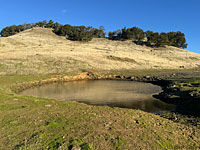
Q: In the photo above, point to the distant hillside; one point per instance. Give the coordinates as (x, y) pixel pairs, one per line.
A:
(39, 50)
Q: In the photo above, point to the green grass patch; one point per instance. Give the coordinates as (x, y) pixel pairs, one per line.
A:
(11, 107)
(55, 143)
(81, 144)
(87, 146)
(119, 143)
(186, 80)
(163, 143)
(2, 66)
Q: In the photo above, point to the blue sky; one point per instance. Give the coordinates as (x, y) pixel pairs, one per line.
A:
(156, 15)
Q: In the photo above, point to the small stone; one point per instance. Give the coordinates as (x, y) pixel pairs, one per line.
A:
(48, 105)
(132, 78)
(110, 76)
(147, 77)
(76, 147)
(117, 77)
(129, 77)
(137, 121)
(123, 77)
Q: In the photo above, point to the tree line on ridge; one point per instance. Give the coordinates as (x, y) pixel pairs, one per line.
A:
(83, 33)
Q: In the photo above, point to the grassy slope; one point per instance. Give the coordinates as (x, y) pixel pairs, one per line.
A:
(32, 123)
(39, 51)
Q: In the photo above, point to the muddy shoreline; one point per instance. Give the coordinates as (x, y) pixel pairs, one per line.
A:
(171, 93)
(87, 76)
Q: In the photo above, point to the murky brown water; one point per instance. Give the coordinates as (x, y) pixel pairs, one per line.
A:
(125, 94)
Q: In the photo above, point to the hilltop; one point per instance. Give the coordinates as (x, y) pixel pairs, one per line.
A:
(40, 51)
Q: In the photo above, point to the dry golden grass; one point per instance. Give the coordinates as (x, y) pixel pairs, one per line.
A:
(39, 51)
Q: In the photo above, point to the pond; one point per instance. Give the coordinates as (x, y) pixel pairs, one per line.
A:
(124, 94)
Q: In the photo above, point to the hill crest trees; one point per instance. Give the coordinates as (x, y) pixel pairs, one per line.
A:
(149, 38)
(83, 33)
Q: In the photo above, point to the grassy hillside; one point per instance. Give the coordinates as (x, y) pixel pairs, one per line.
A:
(39, 51)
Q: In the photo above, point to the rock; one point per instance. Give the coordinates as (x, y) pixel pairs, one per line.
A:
(137, 121)
(128, 78)
(147, 77)
(132, 78)
(84, 75)
(117, 77)
(123, 77)
(65, 77)
(76, 147)
(101, 77)
(110, 76)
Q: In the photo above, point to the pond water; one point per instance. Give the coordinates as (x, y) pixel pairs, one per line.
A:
(124, 94)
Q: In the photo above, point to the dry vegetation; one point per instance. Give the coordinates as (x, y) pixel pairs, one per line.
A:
(39, 51)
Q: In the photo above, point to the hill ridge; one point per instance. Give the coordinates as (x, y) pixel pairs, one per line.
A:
(48, 53)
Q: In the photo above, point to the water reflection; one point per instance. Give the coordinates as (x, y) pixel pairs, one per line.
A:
(125, 94)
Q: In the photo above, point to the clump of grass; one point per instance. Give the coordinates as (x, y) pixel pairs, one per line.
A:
(87, 146)
(81, 144)
(119, 143)
(165, 144)
(55, 143)
(11, 107)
